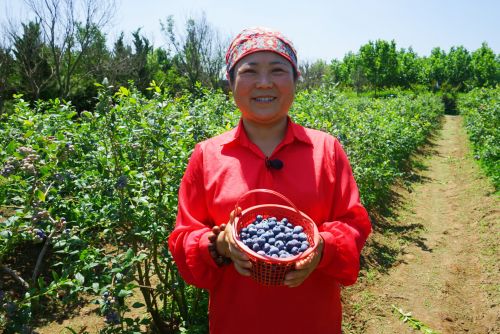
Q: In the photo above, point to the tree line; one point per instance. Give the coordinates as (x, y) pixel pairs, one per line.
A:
(63, 52)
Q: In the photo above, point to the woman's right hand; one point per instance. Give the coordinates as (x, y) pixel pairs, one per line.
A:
(226, 245)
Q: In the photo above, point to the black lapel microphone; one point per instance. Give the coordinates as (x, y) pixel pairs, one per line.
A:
(274, 163)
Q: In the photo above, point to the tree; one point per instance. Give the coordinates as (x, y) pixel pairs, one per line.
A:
(143, 48)
(312, 74)
(32, 65)
(380, 63)
(485, 67)
(7, 63)
(409, 69)
(199, 53)
(68, 28)
(457, 67)
(437, 65)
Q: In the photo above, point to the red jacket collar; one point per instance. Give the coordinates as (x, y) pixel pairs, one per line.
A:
(294, 131)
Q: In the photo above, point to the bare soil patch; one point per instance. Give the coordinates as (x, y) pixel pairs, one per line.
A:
(447, 270)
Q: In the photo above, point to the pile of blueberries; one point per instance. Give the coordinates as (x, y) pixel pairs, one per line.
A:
(274, 238)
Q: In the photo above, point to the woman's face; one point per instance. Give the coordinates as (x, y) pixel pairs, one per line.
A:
(263, 87)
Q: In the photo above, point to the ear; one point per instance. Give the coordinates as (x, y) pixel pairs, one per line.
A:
(229, 82)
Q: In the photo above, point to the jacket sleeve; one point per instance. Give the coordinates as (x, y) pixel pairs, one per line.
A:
(188, 242)
(345, 236)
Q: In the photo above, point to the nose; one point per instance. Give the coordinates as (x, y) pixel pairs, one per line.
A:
(264, 81)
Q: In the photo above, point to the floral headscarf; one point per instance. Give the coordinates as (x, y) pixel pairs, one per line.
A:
(260, 39)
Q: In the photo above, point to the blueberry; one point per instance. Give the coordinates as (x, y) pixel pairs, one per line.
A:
(303, 247)
(298, 229)
(261, 252)
(292, 243)
(261, 241)
(284, 255)
(295, 250)
(284, 220)
(289, 225)
(302, 237)
(259, 218)
(252, 231)
(273, 250)
(280, 244)
(256, 247)
(271, 241)
(276, 230)
(244, 230)
(269, 234)
(288, 236)
(250, 225)
(267, 247)
(280, 236)
(272, 223)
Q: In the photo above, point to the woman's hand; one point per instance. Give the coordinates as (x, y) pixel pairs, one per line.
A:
(304, 267)
(226, 245)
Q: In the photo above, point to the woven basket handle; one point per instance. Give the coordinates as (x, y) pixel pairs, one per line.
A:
(268, 191)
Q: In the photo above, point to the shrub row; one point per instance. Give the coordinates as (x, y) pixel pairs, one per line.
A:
(481, 111)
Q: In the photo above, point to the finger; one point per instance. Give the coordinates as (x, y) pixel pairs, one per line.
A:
(243, 264)
(237, 211)
(295, 279)
(236, 254)
(242, 270)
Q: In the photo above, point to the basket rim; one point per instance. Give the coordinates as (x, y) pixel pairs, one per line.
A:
(268, 259)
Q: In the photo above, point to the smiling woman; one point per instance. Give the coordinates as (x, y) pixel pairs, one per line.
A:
(268, 150)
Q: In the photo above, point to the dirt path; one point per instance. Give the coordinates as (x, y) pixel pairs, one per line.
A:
(449, 280)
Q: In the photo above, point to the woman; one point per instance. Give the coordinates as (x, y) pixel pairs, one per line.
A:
(268, 150)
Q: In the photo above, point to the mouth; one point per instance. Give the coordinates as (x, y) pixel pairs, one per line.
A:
(263, 99)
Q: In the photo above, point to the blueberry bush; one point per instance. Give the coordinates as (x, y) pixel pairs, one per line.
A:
(481, 111)
(87, 200)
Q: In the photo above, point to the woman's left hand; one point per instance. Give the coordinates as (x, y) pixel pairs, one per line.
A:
(304, 267)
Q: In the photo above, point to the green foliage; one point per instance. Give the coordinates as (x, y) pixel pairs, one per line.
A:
(407, 318)
(481, 111)
(379, 135)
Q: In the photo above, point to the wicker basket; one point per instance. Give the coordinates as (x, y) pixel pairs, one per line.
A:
(267, 270)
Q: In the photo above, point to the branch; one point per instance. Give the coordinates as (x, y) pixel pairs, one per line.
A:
(44, 250)
(15, 275)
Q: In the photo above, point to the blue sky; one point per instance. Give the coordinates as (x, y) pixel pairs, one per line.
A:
(322, 29)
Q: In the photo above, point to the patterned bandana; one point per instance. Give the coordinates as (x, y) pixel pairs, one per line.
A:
(260, 39)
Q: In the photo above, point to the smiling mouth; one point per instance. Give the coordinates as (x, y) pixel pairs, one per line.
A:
(264, 99)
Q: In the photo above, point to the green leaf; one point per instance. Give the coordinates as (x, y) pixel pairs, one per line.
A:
(129, 255)
(40, 194)
(80, 278)
(11, 147)
(124, 293)
(138, 305)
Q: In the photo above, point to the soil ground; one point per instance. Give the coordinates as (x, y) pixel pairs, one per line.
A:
(436, 256)
(447, 273)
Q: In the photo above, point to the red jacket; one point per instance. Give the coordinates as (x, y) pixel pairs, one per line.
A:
(317, 178)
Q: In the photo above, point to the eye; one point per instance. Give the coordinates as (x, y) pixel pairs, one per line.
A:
(246, 71)
(279, 70)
